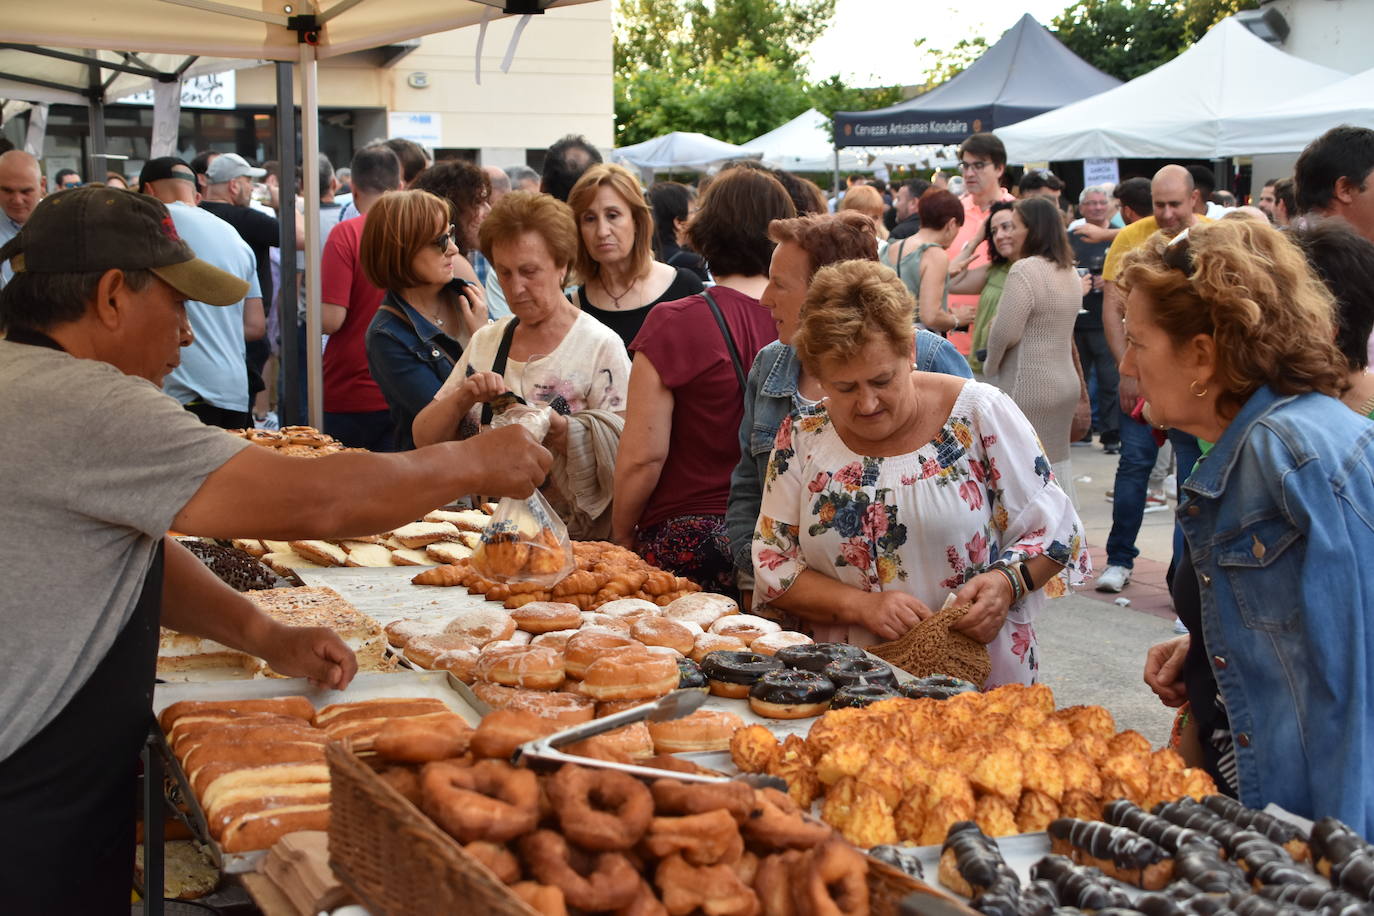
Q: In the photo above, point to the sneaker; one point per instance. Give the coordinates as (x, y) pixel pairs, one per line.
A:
(1111, 448)
(1156, 502)
(1171, 486)
(1111, 495)
(1179, 627)
(1113, 579)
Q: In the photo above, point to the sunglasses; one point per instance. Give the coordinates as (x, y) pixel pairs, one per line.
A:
(448, 238)
(1178, 255)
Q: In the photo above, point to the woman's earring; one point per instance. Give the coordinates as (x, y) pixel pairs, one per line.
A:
(1192, 388)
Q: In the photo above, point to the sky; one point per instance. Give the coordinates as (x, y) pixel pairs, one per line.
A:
(869, 43)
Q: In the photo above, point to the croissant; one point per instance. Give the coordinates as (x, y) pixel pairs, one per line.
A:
(440, 575)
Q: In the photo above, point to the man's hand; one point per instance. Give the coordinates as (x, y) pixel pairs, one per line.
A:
(482, 387)
(891, 614)
(1164, 669)
(1094, 234)
(1128, 393)
(507, 461)
(990, 594)
(313, 652)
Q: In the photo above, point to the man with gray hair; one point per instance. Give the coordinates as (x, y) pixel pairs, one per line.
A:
(523, 178)
(1093, 352)
(21, 185)
(500, 182)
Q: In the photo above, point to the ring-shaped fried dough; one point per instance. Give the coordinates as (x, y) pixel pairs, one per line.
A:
(602, 810)
(702, 839)
(674, 797)
(780, 825)
(832, 881)
(606, 882)
(490, 800)
(542, 898)
(496, 857)
(713, 889)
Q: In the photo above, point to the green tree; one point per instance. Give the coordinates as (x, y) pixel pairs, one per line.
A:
(1127, 38)
(732, 69)
(950, 62)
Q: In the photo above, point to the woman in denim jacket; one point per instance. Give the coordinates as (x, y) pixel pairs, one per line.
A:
(1230, 336)
(409, 248)
(777, 384)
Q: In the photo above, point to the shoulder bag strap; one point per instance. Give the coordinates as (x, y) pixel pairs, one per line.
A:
(729, 338)
(498, 365)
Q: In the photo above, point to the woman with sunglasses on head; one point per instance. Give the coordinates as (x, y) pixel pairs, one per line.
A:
(571, 369)
(410, 249)
(1229, 334)
(621, 281)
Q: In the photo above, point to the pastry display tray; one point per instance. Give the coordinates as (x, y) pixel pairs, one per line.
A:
(386, 594)
(401, 684)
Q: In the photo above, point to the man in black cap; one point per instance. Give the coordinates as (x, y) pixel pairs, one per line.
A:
(97, 464)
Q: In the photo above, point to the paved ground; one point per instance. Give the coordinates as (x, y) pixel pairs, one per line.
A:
(1092, 650)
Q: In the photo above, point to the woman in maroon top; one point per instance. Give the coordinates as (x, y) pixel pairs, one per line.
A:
(686, 399)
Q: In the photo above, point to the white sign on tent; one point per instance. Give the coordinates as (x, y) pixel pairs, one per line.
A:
(210, 90)
(1100, 171)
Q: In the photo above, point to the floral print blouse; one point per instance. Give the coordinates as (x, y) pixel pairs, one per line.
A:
(923, 523)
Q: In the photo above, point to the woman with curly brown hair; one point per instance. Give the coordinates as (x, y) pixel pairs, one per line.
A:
(1229, 334)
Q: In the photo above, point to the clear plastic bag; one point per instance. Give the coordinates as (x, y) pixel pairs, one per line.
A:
(525, 541)
(508, 409)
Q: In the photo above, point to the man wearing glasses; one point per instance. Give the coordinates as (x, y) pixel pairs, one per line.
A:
(210, 382)
(66, 179)
(982, 160)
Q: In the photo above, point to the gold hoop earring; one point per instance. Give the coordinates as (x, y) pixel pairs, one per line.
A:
(1192, 389)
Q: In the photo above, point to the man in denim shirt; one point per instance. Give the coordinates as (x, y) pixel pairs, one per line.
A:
(777, 384)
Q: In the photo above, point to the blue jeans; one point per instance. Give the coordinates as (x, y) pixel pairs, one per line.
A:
(1138, 454)
(373, 430)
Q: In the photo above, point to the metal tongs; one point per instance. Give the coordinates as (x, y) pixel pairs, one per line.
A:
(545, 754)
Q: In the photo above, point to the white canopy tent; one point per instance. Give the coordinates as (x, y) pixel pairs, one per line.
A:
(803, 144)
(1289, 127)
(1179, 109)
(291, 32)
(680, 151)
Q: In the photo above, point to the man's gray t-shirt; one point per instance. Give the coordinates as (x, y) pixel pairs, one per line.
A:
(94, 466)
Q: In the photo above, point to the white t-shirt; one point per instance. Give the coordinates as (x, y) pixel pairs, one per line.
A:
(94, 465)
(588, 369)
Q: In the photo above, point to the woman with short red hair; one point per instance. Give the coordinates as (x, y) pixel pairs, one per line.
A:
(920, 260)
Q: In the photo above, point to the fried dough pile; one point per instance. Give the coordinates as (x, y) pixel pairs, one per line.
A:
(905, 770)
(605, 572)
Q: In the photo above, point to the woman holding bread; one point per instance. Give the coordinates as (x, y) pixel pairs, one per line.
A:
(568, 371)
(1229, 334)
(902, 486)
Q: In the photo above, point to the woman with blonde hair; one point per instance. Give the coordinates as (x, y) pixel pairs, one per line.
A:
(1229, 334)
(548, 354)
(620, 280)
(901, 487)
(869, 202)
(410, 249)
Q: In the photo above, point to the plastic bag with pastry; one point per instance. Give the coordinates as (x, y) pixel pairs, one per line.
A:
(526, 542)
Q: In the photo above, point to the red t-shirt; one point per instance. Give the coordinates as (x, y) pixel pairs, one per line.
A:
(685, 345)
(348, 385)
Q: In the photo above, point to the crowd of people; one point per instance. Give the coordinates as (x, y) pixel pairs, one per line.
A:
(844, 419)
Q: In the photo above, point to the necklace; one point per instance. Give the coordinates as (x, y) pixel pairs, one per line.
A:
(615, 300)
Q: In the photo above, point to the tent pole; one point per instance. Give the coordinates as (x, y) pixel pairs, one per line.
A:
(290, 408)
(95, 163)
(835, 184)
(310, 153)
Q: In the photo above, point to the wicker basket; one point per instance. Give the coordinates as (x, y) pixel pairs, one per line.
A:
(931, 647)
(398, 863)
(394, 858)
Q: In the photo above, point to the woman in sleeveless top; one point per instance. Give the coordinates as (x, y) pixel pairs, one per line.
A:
(920, 260)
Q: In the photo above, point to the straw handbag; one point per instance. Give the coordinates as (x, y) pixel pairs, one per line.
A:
(931, 647)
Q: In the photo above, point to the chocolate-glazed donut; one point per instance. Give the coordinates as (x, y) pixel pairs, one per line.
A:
(689, 675)
(789, 694)
(731, 673)
(861, 695)
(860, 670)
(817, 655)
(936, 687)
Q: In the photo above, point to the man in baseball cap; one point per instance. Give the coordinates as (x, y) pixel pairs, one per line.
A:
(97, 464)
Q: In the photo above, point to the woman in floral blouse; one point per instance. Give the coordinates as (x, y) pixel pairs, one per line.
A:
(902, 487)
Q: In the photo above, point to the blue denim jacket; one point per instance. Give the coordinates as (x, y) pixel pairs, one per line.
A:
(1280, 521)
(409, 361)
(770, 395)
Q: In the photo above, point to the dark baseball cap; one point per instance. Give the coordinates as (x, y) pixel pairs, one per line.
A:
(91, 230)
(163, 168)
